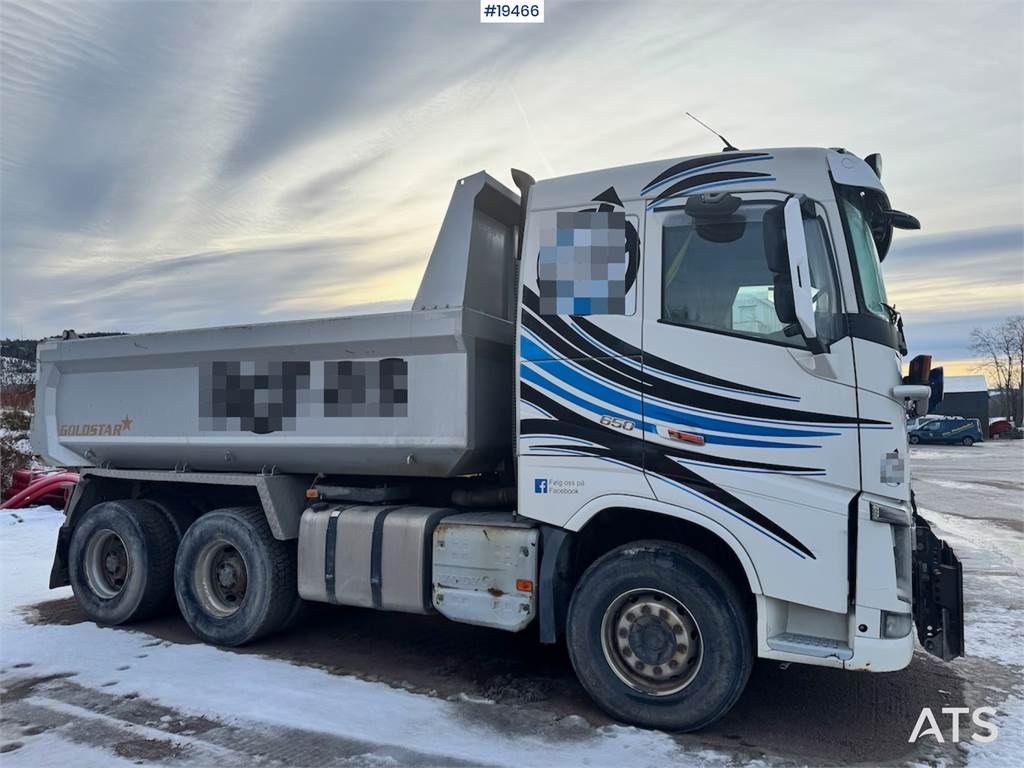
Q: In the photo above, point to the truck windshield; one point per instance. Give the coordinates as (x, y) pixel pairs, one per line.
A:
(856, 215)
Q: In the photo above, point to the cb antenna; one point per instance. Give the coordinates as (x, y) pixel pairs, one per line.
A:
(728, 147)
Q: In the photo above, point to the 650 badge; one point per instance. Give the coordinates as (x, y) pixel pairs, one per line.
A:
(616, 423)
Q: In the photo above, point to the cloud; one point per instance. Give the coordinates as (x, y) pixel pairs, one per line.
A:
(962, 245)
(948, 283)
(180, 164)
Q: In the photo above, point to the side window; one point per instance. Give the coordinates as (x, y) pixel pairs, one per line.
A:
(715, 276)
(587, 264)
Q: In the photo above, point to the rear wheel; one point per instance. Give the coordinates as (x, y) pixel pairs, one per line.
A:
(968, 441)
(121, 561)
(178, 510)
(234, 581)
(659, 636)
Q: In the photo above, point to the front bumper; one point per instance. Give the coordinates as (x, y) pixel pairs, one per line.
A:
(938, 586)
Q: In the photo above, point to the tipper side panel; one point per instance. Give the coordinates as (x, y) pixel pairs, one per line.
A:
(385, 394)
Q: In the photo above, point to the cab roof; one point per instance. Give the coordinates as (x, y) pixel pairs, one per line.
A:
(808, 170)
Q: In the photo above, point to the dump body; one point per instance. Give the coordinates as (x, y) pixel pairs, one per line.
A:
(409, 393)
(428, 392)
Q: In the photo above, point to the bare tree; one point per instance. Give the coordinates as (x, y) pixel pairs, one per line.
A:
(1002, 351)
(1015, 327)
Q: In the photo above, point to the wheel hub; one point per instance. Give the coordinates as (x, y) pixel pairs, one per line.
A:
(226, 575)
(106, 563)
(221, 578)
(651, 642)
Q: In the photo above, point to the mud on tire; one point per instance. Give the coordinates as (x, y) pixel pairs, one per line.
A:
(121, 561)
(235, 582)
(659, 636)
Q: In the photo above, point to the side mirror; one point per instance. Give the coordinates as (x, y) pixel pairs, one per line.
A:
(778, 263)
(799, 271)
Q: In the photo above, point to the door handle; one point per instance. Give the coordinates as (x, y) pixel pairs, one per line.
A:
(686, 437)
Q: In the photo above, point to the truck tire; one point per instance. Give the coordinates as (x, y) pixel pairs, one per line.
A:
(234, 581)
(178, 510)
(121, 561)
(659, 636)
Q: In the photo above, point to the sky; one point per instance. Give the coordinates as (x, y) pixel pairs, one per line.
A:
(171, 165)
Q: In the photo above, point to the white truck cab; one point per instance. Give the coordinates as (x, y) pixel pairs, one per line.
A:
(707, 461)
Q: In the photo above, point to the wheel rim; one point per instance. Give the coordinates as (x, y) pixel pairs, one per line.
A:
(651, 641)
(107, 565)
(221, 578)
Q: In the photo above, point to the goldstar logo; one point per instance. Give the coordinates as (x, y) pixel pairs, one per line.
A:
(97, 430)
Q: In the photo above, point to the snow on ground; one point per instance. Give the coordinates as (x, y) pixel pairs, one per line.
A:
(376, 724)
(992, 554)
(201, 680)
(993, 560)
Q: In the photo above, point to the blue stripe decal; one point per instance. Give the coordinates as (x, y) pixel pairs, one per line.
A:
(552, 355)
(601, 391)
(532, 376)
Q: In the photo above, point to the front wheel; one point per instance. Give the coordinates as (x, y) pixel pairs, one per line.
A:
(914, 439)
(659, 636)
(968, 441)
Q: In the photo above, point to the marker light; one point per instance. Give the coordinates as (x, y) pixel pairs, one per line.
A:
(881, 513)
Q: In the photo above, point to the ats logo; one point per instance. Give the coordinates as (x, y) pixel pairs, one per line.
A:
(96, 430)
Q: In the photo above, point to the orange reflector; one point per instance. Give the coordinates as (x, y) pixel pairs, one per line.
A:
(312, 493)
(686, 437)
(524, 585)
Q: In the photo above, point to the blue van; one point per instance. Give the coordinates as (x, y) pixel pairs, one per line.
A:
(947, 432)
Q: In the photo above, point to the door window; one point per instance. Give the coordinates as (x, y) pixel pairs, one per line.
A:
(587, 264)
(715, 276)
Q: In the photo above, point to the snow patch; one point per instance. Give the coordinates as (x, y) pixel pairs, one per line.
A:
(239, 688)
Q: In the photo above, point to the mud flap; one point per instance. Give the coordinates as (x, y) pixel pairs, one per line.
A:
(938, 594)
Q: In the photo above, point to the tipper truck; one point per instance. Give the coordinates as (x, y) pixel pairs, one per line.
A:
(655, 412)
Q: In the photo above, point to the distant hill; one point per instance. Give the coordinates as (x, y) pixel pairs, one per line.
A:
(18, 359)
(19, 349)
(25, 349)
(15, 371)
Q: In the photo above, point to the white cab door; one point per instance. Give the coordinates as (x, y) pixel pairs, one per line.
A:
(580, 407)
(743, 423)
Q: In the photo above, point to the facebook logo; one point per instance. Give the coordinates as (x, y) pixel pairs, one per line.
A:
(540, 486)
